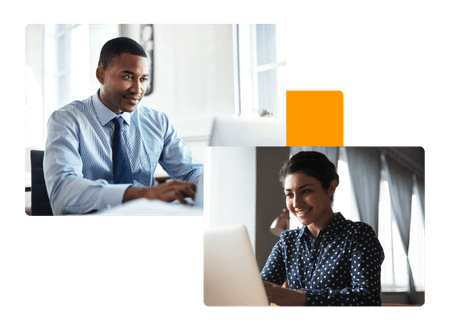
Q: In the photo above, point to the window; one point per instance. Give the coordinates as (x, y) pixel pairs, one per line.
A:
(344, 198)
(394, 276)
(65, 70)
(416, 242)
(60, 68)
(260, 57)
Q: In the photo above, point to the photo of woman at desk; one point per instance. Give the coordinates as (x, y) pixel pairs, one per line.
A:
(329, 261)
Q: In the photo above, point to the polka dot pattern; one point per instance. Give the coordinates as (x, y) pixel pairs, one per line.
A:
(341, 267)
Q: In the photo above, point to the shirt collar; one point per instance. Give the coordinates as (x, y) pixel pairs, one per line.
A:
(336, 222)
(104, 113)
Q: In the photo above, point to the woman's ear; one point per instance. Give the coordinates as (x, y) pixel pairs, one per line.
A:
(100, 74)
(332, 188)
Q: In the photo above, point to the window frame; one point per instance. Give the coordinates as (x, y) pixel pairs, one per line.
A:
(247, 70)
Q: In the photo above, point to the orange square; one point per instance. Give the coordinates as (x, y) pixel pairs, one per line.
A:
(314, 118)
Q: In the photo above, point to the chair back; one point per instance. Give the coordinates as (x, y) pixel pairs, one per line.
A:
(40, 204)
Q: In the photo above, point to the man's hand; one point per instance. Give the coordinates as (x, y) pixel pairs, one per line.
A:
(283, 296)
(167, 192)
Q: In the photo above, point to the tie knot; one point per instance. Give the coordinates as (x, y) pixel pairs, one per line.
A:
(118, 122)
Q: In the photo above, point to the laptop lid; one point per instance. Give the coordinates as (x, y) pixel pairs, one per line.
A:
(231, 273)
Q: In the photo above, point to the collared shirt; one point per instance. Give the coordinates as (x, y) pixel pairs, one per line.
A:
(78, 166)
(341, 267)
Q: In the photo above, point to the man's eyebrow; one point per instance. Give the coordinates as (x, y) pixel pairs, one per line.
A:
(301, 187)
(133, 73)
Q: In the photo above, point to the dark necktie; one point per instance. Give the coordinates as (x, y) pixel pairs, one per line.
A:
(121, 163)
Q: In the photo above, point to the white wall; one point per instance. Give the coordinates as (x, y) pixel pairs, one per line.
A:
(193, 77)
(242, 187)
(270, 199)
(230, 188)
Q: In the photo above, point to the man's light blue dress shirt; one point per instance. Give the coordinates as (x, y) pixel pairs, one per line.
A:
(78, 166)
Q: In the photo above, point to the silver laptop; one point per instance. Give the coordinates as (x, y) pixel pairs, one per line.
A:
(231, 274)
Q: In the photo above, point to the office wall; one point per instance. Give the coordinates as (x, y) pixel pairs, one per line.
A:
(230, 183)
(269, 198)
(193, 77)
(241, 187)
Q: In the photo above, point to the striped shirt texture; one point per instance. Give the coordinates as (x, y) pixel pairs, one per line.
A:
(78, 167)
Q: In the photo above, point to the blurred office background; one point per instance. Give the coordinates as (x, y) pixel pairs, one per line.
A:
(219, 84)
(383, 186)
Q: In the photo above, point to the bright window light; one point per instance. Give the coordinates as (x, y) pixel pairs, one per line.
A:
(394, 275)
(416, 244)
(344, 198)
(261, 75)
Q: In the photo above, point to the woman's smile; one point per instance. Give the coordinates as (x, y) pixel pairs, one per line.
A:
(308, 201)
(303, 212)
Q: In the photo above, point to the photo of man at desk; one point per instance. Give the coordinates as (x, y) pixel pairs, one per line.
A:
(102, 151)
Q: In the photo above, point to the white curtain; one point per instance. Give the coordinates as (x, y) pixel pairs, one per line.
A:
(364, 166)
(401, 188)
(420, 184)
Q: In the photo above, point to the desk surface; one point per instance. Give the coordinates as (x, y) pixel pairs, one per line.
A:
(144, 206)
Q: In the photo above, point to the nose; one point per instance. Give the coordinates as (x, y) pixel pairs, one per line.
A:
(137, 87)
(298, 201)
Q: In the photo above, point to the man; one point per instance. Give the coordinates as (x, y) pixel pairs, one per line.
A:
(84, 137)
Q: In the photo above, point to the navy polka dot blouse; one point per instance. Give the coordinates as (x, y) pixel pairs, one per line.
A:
(341, 267)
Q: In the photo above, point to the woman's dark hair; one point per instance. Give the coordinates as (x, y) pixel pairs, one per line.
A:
(117, 46)
(313, 164)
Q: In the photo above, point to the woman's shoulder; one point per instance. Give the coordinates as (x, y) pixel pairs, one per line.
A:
(359, 230)
(352, 225)
(349, 228)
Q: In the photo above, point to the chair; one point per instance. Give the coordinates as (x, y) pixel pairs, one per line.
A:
(40, 204)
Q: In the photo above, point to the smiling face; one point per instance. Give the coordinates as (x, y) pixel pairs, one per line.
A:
(308, 201)
(123, 82)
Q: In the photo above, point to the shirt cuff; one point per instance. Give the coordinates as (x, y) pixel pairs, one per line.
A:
(112, 195)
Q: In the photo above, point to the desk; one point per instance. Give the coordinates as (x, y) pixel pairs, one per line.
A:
(144, 206)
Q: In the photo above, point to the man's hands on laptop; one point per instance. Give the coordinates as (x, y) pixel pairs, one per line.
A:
(167, 192)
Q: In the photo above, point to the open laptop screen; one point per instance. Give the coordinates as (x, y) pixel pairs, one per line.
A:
(231, 274)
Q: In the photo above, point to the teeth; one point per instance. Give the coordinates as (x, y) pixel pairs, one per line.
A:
(301, 212)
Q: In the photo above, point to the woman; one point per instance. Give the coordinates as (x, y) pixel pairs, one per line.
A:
(330, 260)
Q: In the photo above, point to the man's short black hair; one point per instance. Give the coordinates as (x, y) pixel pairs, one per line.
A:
(117, 46)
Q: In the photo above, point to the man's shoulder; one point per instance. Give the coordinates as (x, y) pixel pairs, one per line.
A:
(145, 114)
(144, 110)
(75, 108)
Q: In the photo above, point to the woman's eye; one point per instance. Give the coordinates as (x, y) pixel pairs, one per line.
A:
(307, 191)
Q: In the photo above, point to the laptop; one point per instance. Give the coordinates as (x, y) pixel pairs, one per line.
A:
(231, 273)
(144, 206)
(250, 132)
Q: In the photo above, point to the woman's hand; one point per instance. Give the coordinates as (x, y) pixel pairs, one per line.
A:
(283, 296)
